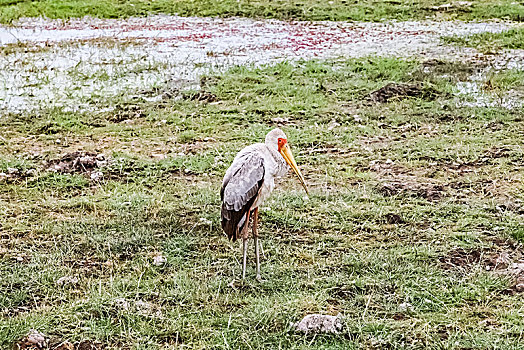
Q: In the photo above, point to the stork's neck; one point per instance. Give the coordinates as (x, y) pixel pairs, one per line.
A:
(281, 166)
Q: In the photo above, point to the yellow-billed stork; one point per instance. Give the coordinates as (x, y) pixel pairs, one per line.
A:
(248, 183)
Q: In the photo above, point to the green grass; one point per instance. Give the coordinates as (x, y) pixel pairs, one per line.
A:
(510, 39)
(353, 247)
(315, 10)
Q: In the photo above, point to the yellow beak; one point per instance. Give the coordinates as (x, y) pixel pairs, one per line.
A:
(288, 156)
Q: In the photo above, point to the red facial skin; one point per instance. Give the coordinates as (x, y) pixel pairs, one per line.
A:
(281, 143)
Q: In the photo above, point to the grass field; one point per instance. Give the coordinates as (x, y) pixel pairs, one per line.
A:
(511, 39)
(414, 215)
(337, 10)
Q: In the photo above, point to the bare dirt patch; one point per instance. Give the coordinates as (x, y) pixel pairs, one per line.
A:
(395, 179)
(488, 157)
(77, 162)
(15, 175)
(463, 258)
(36, 340)
(89, 266)
(23, 307)
(201, 96)
(458, 180)
(429, 191)
(504, 258)
(81, 345)
(459, 70)
(399, 91)
(197, 147)
(125, 112)
(498, 152)
(393, 219)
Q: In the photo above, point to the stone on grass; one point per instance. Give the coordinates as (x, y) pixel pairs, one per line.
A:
(97, 175)
(121, 304)
(141, 307)
(147, 309)
(33, 340)
(405, 307)
(159, 260)
(67, 280)
(317, 323)
(517, 270)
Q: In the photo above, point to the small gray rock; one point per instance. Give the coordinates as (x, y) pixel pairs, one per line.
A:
(405, 307)
(318, 323)
(159, 260)
(516, 268)
(67, 280)
(31, 172)
(139, 306)
(33, 340)
(147, 309)
(97, 176)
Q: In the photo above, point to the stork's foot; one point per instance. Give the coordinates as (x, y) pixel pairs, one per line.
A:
(259, 278)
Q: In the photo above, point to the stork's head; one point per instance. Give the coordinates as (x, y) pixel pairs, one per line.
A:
(276, 139)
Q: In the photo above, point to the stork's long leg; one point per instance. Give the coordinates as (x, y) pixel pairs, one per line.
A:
(244, 245)
(255, 236)
(244, 257)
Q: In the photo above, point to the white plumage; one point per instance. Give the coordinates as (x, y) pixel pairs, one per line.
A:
(248, 183)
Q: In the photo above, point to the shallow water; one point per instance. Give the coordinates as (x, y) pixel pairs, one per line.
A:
(77, 64)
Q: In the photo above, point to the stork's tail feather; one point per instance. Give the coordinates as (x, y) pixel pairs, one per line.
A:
(234, 222)
(231, 222)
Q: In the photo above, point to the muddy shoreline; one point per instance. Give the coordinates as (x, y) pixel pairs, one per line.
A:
(75, 64)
